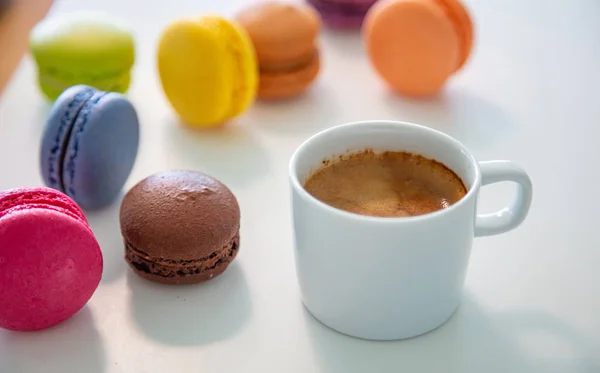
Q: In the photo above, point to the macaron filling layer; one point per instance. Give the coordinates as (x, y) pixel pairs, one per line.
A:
(286, 83)
(169, 268)
(289, 65)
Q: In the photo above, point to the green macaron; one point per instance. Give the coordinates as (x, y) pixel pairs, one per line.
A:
(90, 48)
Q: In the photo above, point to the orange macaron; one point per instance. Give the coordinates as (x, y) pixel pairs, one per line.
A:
(416, 45)
(285, 39)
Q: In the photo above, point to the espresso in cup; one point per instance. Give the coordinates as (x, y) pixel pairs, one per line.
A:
(388, 184)
(378, 277)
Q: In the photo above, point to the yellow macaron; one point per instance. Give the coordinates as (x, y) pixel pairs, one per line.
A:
(208, 69)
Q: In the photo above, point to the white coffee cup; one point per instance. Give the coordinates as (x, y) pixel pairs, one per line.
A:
(392, 278)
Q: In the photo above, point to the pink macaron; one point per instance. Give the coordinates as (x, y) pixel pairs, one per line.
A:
(50, 261)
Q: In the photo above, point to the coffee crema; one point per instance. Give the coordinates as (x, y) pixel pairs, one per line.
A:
(388, 184)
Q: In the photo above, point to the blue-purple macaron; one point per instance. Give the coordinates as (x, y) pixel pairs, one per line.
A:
(89, 145)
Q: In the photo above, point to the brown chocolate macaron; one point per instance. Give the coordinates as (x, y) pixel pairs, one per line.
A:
(180, 227)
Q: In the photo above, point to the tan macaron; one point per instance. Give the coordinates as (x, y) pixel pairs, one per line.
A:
(284, 37)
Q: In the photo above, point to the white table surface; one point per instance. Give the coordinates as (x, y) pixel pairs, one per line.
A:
(530, 93)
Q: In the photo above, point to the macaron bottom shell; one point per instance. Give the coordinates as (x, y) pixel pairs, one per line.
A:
(288, 82)
(182, 272)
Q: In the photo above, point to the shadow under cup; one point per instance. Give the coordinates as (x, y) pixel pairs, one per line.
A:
(376, 277)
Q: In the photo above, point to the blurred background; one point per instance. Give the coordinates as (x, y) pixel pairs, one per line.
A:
(17, 17)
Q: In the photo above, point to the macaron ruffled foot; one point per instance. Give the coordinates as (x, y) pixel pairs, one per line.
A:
(89, 145)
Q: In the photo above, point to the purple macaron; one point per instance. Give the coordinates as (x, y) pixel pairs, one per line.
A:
(89, 145)
(342, 14)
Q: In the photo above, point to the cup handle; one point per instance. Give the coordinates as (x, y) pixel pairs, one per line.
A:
(511, 216)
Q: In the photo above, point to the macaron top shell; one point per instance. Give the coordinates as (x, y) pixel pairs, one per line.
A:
(281, 31)
(207, 68)
(50, 261)
(180, 215)
(412, 44)
(83, 40)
